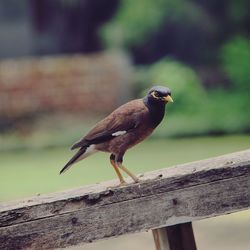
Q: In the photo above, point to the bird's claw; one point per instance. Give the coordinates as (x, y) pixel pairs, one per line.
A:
(135, 179)
(121, 184)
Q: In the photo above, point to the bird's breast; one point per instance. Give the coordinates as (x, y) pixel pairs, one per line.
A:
(156, 116)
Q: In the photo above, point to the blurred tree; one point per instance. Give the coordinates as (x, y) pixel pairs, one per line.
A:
(153, 29)
(191, 31)
(236, 62)
(69, 26)
(179, 77)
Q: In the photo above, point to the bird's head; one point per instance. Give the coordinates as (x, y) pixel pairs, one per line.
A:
(159, 95)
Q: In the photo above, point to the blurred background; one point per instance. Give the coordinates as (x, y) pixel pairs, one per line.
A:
(65, 64)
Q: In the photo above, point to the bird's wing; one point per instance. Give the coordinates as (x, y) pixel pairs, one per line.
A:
(119, 122)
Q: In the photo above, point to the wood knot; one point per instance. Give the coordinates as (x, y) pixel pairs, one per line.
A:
(74, 220)
(175, 201)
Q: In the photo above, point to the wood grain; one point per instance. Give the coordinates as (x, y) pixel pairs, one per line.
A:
(171, 196)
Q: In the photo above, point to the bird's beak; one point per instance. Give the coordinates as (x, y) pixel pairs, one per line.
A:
(168, 98)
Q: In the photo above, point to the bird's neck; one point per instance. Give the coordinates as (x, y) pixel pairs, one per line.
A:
(156, 110)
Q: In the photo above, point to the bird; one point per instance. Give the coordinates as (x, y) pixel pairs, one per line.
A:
(125, 127)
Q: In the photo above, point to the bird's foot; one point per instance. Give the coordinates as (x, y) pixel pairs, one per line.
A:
(136, 180)
(121, 184)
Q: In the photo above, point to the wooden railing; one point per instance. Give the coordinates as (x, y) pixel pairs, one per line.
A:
(166, 201)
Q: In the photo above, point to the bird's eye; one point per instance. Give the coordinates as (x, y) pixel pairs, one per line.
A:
(155, 94)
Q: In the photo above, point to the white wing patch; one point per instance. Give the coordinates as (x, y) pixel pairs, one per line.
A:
(89, 151)
(118, 133)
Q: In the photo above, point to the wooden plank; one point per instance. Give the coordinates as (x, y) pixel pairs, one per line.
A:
(166, 197)
(176, 237)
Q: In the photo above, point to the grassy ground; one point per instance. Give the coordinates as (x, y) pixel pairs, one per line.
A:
(29, 172)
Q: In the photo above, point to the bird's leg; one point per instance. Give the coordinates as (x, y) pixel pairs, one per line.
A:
(112, 161)
(128, 172)
(122, 181)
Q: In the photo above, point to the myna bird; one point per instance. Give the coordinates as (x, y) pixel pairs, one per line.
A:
(123, 128)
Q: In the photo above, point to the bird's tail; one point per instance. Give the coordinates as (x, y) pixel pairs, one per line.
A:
(80, 154)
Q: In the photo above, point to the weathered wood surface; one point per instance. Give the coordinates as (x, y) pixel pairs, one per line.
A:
(165, 197)
(176, 237)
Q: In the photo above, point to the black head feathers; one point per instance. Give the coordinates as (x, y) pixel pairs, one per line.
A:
(161, 90)
(158, 95)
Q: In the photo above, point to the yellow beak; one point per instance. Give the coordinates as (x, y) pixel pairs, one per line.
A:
(168, 99)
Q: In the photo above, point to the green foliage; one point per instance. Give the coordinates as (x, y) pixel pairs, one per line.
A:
(196, 111)
(236, 62)
(137, 20)
(181, 79)
(238, 11)
(133, 21)
(219, 113)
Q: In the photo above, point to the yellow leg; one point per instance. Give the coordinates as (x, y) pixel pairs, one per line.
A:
(128, 173)
(122, 181)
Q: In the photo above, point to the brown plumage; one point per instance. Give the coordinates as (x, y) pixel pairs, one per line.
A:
(123, 128)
